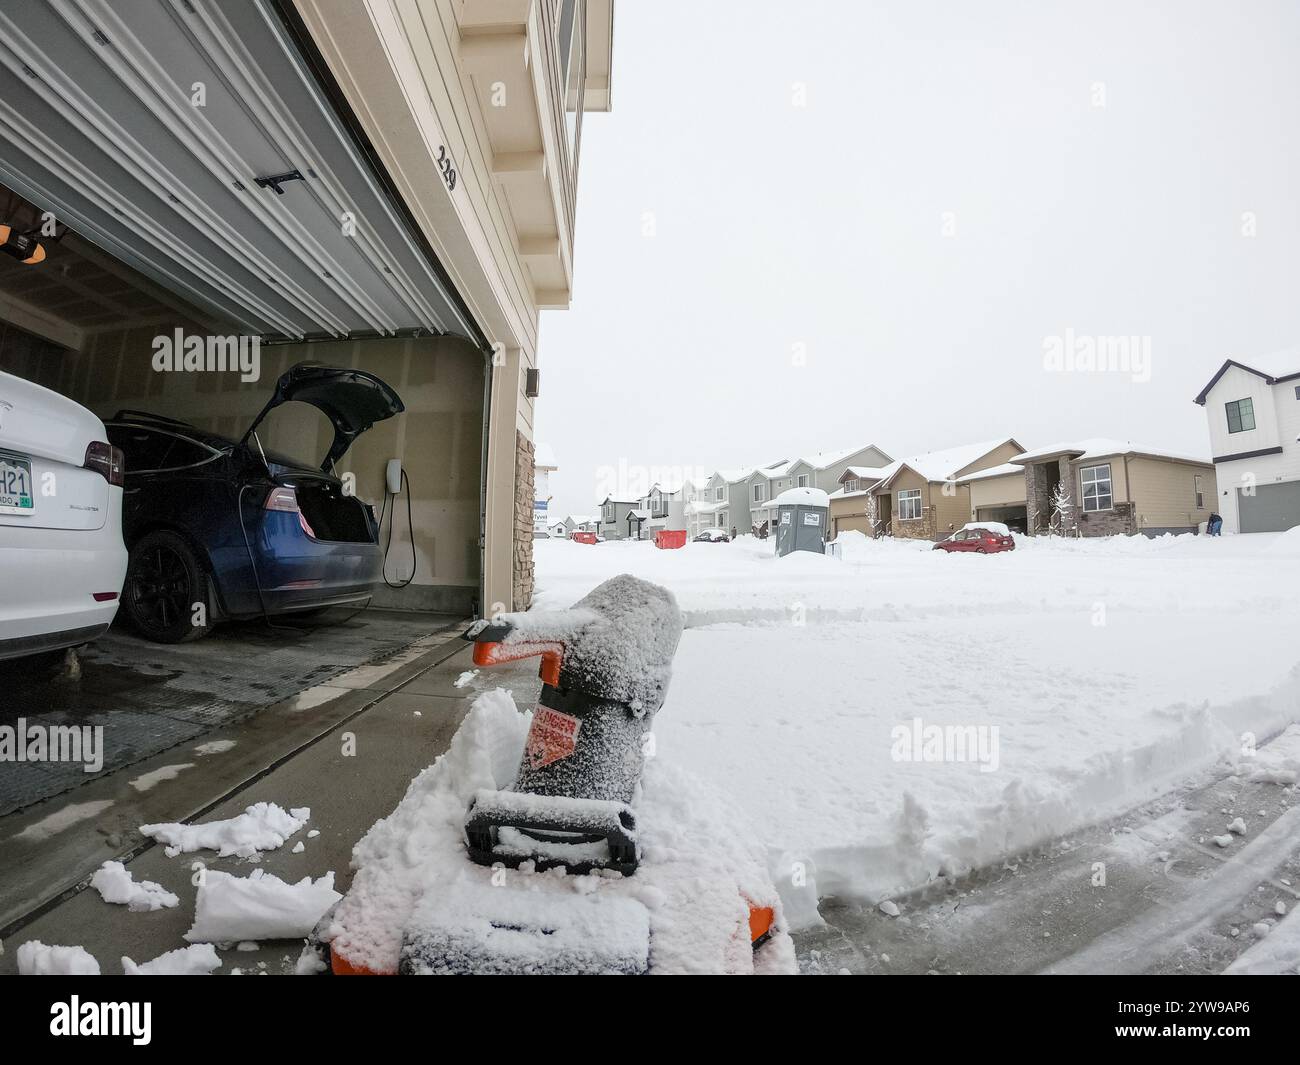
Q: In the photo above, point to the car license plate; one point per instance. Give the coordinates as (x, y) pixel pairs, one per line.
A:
(16, 485)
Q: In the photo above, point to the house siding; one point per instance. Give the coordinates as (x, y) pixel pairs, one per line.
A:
(1008, 491)
(1165, 494)
(1277, 421)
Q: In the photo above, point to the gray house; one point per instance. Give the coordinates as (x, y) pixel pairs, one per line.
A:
(614, 514)
(723, 503)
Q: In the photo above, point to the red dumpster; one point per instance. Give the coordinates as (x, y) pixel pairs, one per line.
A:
(670, 538)
(584, 538)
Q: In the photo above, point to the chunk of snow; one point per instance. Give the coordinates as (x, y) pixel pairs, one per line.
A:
(464, 679)
(309, 962)
(1261, 928)
(298, 847)
(198, 960)
(258, 906)
(116, 884)
(889, 908)
(1237, 826)
(36, 959)
(203, 750)
(313, 833)
(1223, 841)
(261, 827)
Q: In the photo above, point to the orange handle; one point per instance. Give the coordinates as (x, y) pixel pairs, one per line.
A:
(491, 654)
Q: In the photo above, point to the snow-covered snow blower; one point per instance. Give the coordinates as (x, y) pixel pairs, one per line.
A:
(559, 882)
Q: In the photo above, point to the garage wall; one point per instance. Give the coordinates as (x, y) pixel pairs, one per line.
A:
(1165, 493)
(439, 437)
(997, 492)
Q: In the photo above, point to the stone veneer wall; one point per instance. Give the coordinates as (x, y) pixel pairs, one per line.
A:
(522, 577)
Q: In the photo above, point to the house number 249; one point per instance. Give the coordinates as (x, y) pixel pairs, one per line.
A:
(444, 164)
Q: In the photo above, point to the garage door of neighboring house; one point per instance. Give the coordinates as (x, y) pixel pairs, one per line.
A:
(1273, 507)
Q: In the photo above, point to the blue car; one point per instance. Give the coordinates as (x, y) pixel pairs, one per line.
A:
(219, 529)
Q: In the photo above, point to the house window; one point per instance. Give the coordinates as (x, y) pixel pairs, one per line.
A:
(1297, 391)
(803, 480)
(719, 494)
(1241, 415)
(852, 484)
(758, 493)
(1096, 488)
(909, 504)
(1200, 494)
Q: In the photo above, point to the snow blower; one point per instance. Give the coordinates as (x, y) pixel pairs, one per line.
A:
(560, 886)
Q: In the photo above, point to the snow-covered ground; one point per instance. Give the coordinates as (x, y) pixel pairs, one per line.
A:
(1074, 678)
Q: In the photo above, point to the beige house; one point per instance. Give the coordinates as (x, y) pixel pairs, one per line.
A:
(853, 507)
(923, 497)
(1113, 487)
(388, 185)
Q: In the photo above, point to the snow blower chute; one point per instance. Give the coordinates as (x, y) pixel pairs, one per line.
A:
(567, 821)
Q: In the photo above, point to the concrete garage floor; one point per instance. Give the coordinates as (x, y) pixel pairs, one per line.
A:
(149, 697)
(402, 713)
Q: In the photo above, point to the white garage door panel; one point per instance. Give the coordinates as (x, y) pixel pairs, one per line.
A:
(97, 123)
(1273, 508)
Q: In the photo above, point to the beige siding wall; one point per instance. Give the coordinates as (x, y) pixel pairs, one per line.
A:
(1000, 454)
(998, 491)
(951, 508)
(438, 438)
(907, 480)
(1165, 493)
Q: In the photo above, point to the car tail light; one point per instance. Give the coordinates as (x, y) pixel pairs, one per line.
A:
(286, 500)
(103, 597)
(106, 460)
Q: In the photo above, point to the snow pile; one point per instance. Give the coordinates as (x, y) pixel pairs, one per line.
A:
(619, 640)
(36, 959)
(259, 906)
(701, 860)
(198, 960)
(1278, 762)
(262, 827)
(116, 884)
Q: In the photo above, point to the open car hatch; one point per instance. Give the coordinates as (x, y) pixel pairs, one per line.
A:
(353, 400)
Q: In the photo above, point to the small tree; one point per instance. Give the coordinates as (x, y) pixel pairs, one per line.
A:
(873, 514)
(1062, 508)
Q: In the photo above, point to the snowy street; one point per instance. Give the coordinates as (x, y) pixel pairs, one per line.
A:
(1097, 675)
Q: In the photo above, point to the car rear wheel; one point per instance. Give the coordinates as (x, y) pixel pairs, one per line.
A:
(164, 584)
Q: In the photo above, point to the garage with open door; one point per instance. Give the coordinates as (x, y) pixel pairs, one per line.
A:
(208, 219)
(1270, 508)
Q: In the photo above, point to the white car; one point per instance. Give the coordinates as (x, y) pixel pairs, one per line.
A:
(62, 560)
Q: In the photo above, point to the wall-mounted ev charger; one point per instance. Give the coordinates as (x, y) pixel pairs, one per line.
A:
(394, 476)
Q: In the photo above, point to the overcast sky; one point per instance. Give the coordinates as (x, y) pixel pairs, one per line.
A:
(814, 225)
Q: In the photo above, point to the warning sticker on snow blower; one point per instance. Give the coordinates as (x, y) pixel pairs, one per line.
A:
(553, 736)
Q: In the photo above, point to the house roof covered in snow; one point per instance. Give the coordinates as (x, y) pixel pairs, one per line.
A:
(627, 501)
(700, 507)
(943, 465)
(1102, 447)
(822, 460)
(863, 473)
(1004, 470)
(1279, 366)
(734, 475)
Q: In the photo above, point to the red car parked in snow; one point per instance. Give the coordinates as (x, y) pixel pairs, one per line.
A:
(982, 539)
